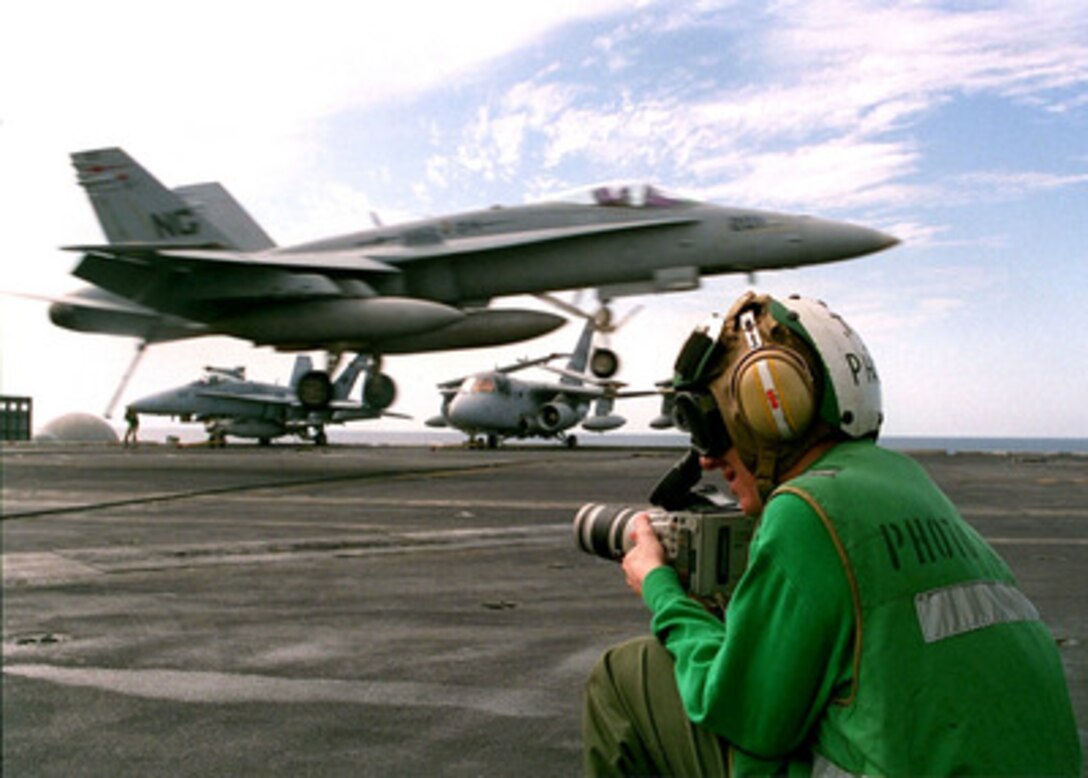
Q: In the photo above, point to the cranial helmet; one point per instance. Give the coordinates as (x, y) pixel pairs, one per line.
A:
(783, 376)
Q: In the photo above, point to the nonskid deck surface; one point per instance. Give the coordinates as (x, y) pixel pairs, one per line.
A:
(370, 610)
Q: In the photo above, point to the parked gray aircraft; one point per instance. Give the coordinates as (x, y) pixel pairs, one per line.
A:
(193, 262)
(497, 406)
(230, 405)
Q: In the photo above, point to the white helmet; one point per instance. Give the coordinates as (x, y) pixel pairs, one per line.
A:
(793, 373)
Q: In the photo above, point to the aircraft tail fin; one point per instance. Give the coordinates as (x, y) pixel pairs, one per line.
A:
(218, 206)
(580, 358)
(345, 382)
(303, 365)
(134, 207)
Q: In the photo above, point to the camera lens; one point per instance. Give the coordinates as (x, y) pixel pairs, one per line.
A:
(601, 529)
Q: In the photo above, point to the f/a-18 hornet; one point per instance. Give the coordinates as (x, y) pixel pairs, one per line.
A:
(228, 404)
(192, 262)
(497, 406)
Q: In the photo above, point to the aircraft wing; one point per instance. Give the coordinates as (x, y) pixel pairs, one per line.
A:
(592, 390)
(359, 412)
(348, 405)
(267, 399)
(379, 258)
(350, 408)
(608, 390)
(322, 260)
(95, 310)
(100, 302)
(581, 391)
(319, 260)
(545, 392)
(395, 415)
(589, 378)
(521, 364)
(94, 299)
(451, 386)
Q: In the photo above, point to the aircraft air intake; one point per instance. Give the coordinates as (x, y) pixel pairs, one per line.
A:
(556, 415)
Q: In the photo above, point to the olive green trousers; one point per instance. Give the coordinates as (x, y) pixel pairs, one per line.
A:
(634, 722)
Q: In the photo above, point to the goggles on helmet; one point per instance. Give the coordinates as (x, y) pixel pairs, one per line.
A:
(701, 359)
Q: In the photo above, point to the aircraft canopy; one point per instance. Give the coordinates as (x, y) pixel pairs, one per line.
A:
(622, 194)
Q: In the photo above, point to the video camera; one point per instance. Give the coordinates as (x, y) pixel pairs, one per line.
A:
(704, 533)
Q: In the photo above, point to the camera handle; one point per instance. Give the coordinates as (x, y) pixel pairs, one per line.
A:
(678, 489)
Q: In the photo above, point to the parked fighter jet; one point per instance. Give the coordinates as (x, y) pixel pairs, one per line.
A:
(192, 262)
(228, 404)
(497, 406)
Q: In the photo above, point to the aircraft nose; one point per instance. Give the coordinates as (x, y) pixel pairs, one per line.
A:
(161, 403)
(483, 413)
(465, 409)
(827, 241)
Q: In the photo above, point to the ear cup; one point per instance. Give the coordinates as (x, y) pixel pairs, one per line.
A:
(775, 394)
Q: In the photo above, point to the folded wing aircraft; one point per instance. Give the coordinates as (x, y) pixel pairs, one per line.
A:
(496, 405)
(228, 404)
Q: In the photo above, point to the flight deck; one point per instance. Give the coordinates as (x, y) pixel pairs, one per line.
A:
(356, 610)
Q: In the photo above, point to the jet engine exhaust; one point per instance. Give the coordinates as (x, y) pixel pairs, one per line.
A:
(604, 363)
(379, 391)
(314, 390)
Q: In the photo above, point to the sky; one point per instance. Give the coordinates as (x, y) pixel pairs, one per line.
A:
(959, 127)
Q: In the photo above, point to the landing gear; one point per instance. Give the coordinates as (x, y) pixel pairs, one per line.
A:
(217, 439)
(489, 441)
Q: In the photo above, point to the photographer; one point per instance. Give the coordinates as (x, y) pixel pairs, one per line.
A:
(873, 632)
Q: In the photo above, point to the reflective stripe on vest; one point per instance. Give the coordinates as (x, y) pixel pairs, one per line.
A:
(954, 610)
(822, 767)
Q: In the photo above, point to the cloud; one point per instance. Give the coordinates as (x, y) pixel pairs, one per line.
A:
(1016, 184)
(240, 90)
(838, 174)
(1015, 48)
(825, 119)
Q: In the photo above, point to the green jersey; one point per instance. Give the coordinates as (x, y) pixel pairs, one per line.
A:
(874, 632)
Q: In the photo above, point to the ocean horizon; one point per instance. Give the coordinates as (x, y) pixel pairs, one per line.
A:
(360, 435)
